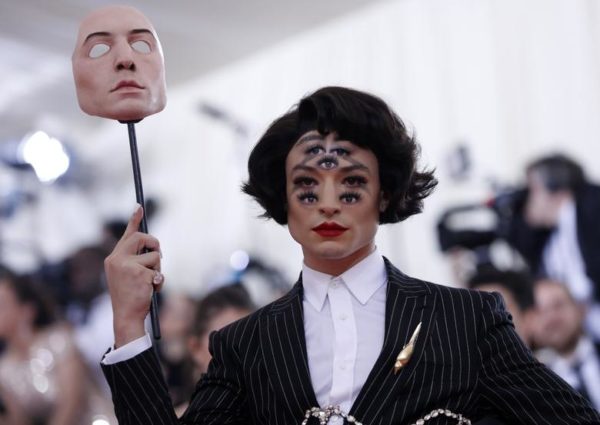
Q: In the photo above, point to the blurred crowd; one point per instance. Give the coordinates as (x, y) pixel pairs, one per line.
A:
(56, 324)
(553, 290)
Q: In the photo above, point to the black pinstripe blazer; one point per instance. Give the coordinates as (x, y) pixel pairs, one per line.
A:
(467, 358)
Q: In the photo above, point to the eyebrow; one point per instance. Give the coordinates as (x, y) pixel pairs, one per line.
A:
(107, 34)
(346, 169)
(309, 137)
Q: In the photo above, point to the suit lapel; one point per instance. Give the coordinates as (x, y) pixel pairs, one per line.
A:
(407, 304)
(284, 349)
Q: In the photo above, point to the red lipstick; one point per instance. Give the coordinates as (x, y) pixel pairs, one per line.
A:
(329, 230)
(127, 84)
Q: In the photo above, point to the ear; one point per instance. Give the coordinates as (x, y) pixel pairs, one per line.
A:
(384, 201)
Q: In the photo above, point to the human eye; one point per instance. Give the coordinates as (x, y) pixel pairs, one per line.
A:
(304, 182)
(355, 181)
(308, 197)
(340, 151)
(141, 46)
(314, 150)
(98, 50)
(350, 197)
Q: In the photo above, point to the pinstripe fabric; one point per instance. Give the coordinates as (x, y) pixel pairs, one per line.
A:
(467, 359)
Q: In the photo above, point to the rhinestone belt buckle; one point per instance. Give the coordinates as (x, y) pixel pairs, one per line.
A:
(324, 414)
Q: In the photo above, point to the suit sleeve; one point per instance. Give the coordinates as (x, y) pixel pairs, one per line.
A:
(140, 394)
(515, 385)
(139, 391)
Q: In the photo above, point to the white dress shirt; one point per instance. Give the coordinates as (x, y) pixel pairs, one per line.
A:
(344, 325)
(562, 256)
(586, 357)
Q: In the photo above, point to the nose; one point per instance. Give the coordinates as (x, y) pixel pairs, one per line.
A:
(124, 57)
(329, 204)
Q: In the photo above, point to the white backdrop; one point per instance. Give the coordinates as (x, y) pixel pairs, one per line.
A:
(510, 79)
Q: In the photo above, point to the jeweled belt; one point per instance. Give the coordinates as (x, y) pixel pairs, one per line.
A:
(324, 414)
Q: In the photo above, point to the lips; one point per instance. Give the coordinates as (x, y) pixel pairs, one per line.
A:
(126, 84)
(329, 230)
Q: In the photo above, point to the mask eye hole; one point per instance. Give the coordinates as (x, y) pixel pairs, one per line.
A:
(141, 46)
(98, 50)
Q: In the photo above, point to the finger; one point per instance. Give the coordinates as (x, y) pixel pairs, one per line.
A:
(137, 242)
(134, 221)
(150, 260)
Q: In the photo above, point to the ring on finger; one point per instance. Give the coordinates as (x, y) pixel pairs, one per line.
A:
(158, 278)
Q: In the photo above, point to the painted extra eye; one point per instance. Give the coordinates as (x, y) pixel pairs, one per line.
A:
(98, 50)
(350, 198)
(355, 181)
(340, 151)
(308, 198)
(315, 150)
(141, 46)
(328, 164)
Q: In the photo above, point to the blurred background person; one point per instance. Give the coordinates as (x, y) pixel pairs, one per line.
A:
(556, 229)
(565, 348)
(517, 290)
(176, 318)
(88, 307)
(217, 309)
(42, 376)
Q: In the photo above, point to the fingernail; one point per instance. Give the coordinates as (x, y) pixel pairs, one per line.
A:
(137, 208)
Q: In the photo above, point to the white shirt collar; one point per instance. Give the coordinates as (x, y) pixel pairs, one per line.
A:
(362, 280)
(567, 219)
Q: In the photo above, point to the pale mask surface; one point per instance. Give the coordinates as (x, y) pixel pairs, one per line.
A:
(334, 199)
(118, 65)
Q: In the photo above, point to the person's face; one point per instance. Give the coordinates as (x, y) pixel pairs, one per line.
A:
(12, 312)
(118, 65)
(198, 345)
(542, 207)
(559, 317)
(333, 200)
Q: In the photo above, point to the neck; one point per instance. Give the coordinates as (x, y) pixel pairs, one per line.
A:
(337, 266)
(568, 349)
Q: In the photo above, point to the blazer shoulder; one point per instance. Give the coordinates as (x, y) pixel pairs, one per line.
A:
(480, 300)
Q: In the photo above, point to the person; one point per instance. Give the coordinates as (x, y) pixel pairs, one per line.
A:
(217, 309)
(118, 65)
(176, 317)
(89, 309)
(566, 349)
(214, 311)
(554, 227)
(516, 289)
(42, 376)
(355, 340)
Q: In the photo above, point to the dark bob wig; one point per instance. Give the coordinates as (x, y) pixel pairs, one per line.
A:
(357, 117)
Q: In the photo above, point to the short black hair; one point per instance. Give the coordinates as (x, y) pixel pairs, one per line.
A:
(359, 117)
(558, 172)
(230, 296)
(519, 284)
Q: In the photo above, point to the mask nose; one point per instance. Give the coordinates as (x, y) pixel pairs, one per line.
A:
(124, 58)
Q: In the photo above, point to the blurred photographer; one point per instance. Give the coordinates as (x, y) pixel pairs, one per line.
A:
(555, 228)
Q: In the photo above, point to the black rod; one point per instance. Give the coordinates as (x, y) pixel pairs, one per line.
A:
(139, 196)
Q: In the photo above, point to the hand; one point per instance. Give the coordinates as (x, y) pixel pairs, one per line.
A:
(132, 275)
